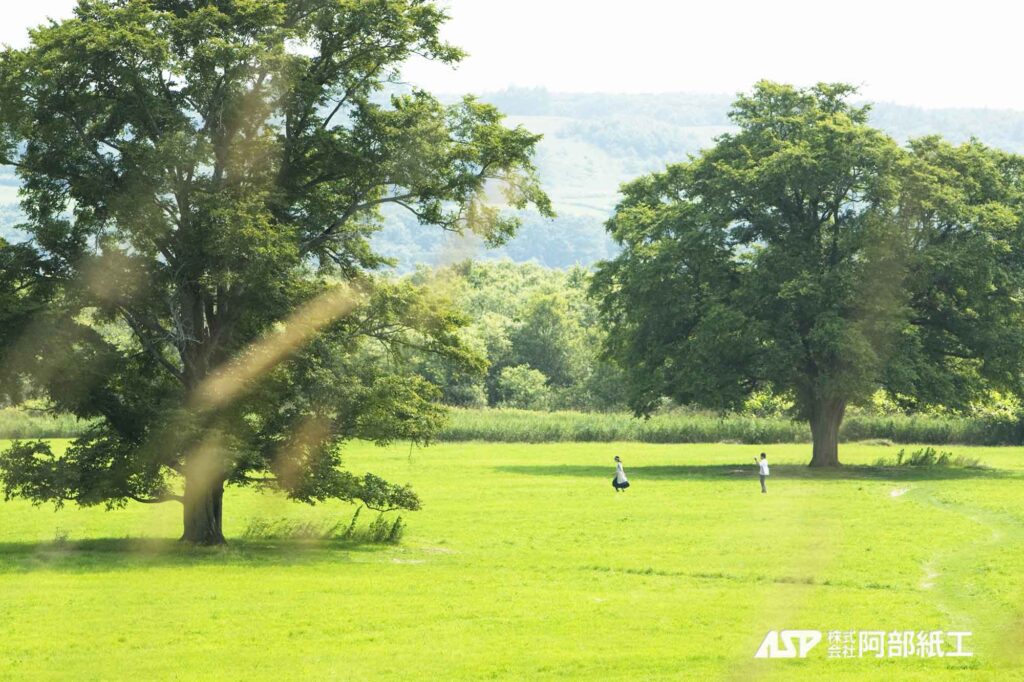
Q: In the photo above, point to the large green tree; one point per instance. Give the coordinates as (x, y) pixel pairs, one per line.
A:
(201, 179)
(809, 254)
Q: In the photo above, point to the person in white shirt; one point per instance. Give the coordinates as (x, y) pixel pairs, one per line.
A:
(763, 465)
(620, 482)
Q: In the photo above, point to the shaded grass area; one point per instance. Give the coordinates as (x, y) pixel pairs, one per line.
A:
(131, 554)
(524, 564)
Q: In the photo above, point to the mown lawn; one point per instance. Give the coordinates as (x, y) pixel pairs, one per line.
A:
(524, 564)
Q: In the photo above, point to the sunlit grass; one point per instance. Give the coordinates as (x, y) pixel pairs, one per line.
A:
(525, 564)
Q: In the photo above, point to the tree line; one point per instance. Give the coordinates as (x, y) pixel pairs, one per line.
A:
(536, 329)
(544, 347)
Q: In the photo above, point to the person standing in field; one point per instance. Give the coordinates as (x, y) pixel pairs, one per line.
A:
(763, 465)
(620, 482)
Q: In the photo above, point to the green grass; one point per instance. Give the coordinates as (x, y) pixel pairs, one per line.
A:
(524, 564)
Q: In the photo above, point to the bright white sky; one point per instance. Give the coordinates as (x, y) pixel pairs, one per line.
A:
(930, 54)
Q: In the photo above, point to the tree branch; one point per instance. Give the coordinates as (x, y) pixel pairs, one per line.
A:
(347, 215)
(167, 497)
(139, 327)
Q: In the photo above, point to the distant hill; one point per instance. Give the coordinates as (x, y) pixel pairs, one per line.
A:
(10, 214)
(594, 142)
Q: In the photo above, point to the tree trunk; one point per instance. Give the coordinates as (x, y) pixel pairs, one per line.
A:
(204, 512)
(826, 417)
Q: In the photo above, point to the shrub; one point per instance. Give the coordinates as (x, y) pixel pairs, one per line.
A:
(930, 457)
(521, 386)
(380, 530)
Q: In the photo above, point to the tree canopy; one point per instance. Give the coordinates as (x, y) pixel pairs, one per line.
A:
(537, 323)
(809, 254)
(200, 180)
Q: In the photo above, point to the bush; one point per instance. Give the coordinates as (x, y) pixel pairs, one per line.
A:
(465, 395)
(380, 530)
(930, 457)
(522, 386)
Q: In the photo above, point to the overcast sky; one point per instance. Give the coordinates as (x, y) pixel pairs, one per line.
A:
(931, 54)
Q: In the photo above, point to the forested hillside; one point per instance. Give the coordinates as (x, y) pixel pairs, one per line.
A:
(594, 142)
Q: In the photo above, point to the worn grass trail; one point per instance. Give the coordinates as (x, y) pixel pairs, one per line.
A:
(525, 564)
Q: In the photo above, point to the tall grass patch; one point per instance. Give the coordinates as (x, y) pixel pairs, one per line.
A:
(20, 423)
(527, 426)
(524, 426)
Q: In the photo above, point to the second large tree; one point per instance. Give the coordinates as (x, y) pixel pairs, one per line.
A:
(810, 254)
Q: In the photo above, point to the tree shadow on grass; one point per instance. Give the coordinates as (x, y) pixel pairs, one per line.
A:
(114, 554)
(718, 472)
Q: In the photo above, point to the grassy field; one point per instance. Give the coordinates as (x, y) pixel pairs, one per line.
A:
(524, 564)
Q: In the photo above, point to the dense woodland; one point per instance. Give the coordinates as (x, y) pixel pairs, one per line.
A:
(535, 331)
(538, 341)
(541, 338)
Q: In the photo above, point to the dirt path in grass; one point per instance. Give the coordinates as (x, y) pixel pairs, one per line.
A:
(953, 577)
(813, 557)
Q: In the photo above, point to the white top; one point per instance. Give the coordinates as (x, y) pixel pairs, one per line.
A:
(763, 463)
(620, 475)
